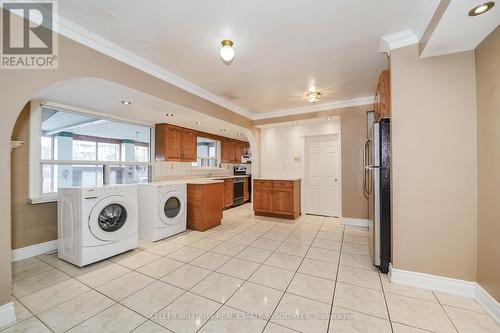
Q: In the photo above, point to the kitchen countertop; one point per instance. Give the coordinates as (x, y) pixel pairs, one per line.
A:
(278, 178)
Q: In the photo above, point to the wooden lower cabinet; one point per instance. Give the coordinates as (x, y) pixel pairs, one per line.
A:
(246, 192)
(204, 205)
(277, 198)
(228, 193)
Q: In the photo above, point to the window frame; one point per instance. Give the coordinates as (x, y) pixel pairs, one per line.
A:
(218, 157)
(35, 194)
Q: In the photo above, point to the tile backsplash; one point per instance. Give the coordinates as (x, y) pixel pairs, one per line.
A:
(172, 170)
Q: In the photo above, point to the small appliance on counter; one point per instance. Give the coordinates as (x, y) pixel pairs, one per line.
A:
(246, 159)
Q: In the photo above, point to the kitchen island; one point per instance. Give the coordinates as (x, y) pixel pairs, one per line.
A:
(277, 197)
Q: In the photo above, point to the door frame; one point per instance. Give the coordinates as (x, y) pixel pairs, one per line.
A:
(305, 181)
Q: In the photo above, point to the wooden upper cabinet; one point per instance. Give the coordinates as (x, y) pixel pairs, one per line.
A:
(240, 149)
(383, 97)
(227, 153)
(189, 145)
(175, 144)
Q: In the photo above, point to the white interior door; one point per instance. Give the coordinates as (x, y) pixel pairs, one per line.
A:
(322, 176)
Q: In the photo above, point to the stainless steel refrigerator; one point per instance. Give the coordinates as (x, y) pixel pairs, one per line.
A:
(377, 188)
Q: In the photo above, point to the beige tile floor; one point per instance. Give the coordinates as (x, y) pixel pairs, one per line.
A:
(250, 274)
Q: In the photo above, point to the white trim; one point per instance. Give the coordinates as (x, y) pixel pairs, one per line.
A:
(305, 182)
(448, 285)
(488, 302)
(433, 282)
(367, 100)
(429, 7)
(33, 250)
(354, 222)
(105, 46)
(397, 40)
(7, 314)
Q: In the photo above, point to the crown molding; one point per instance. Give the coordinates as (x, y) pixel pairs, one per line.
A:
(397, 40)
(81, 35)
(315, 108)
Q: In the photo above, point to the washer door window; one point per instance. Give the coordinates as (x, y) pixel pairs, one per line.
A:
(112, 217)
(171, 207)
(109, 218)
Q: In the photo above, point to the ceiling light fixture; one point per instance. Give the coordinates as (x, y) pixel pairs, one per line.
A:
(126, 102)
(481, 9)
(198, 123)
(227, 51)
(223, 130)
(169, 114)
(313, 96)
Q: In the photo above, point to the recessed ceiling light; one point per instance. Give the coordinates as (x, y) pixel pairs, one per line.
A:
(126, 102)
(227, 51)
(169, 114)
(481, 9)
(239, 134)
(223, 130)
(198, 123)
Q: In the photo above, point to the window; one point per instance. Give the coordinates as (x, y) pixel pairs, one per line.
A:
(208, 153)
(75, 149)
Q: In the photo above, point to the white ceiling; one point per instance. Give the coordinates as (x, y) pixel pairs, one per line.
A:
(104, 97)
(281, 47)
(457, 31)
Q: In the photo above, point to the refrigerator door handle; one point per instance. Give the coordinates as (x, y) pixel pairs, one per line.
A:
(366, 178)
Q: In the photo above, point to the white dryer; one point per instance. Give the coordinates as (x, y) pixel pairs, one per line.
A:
(162, 209)
(95, 223)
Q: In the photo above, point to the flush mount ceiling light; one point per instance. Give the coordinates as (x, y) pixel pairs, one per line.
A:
(481, 9)
(126, 102)
(227, 51)
(313, 96)
(169, 115)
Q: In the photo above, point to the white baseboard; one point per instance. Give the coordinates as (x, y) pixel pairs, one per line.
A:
(447, 285)
(488, 302)
(33, 250)
(355, 222)
(433, 282)
(7, 314)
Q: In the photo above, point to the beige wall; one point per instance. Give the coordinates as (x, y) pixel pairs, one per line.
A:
(17, 87)
(434, 179)
(31, 224)
(353, 137)
(488, 160)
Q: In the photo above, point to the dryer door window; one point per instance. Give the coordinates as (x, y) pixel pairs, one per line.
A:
(112, 217)
(172, 207)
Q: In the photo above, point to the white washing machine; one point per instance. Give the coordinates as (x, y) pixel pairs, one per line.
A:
(95, 223)
(162, 209)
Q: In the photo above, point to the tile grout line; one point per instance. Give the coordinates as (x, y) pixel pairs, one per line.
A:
(295, 273)
(247, 280)
(336, 279)
(445, 312)
(385, 301)
(184, 263)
